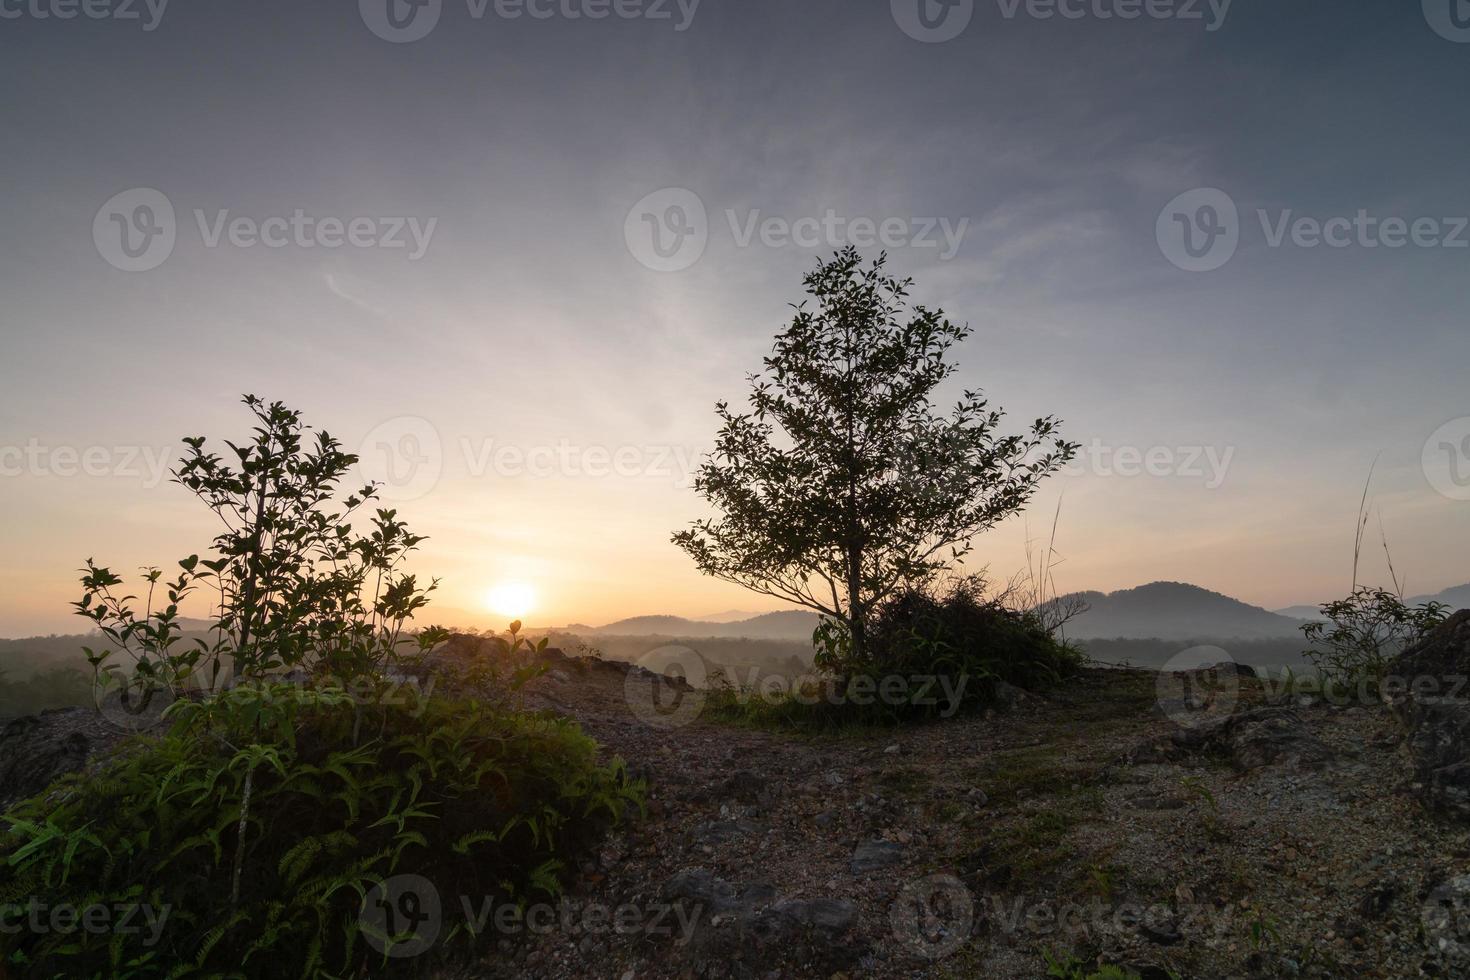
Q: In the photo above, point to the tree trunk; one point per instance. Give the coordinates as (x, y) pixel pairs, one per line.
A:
(252, 562)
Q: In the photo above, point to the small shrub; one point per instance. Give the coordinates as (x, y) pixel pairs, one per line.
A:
(295, 585)
(959, 632)
(265, 815)
(943, 652)
(1364, 633)
(1065, 966)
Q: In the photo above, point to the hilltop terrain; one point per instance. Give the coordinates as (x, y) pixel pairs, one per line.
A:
(1073, 825)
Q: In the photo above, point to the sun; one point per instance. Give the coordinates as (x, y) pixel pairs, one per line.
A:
(514, 600)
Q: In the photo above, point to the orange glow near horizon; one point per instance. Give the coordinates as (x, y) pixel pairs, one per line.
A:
(514, 600)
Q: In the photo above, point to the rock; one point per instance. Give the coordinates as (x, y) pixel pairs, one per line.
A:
(751, 929)
(1250, 740)
(1438, 742)
(1009, 695)
(747, 786)
(1446, 920)
(1227, 667)
(1165, 932)
(891, 750)
(715, 832)
(1270, 735)
(1443, 654)
(37, 750)
(875, 855)
(1157, 802)
(1376, 903)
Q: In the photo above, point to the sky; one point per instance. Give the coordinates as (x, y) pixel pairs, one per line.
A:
(513, 252)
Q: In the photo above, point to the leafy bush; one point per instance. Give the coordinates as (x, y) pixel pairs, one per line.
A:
(931, 645)
(269, 817)
(961, 633)
(265, 815)
(296, 585)
(1364, 632)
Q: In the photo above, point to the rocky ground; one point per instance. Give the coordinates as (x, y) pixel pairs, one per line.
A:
(1092, 826)
(1116, 821)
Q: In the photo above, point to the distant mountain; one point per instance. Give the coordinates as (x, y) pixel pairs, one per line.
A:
(788, 625)
(1174, 611)
(1300, 612)
(1456, 598)
(728, 616)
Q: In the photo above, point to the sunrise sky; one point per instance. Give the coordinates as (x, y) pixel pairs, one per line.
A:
(447, 259)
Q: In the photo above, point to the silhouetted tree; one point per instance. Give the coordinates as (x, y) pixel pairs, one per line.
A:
(842, 484)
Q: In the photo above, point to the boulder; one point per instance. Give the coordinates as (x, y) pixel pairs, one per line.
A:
(1249, 739)
(752, 930)
(37, 750)
(1437, 726)
(1443, 654)
(1438, 744)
